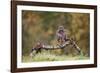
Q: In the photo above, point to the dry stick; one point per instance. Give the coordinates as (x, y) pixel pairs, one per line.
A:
(49, 47)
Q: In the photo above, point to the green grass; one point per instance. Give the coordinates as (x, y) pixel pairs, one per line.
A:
(49, 56)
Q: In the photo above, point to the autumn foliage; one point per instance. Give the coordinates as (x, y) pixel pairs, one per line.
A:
(42, 26)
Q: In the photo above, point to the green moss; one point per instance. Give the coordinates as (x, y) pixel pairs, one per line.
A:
(47, 56)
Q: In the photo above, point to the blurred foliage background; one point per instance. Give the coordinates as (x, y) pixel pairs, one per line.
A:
(42, 25)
